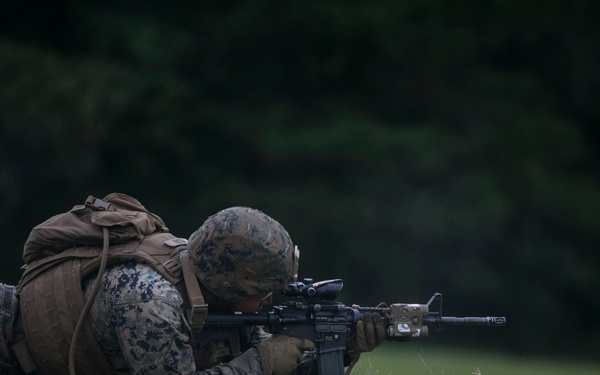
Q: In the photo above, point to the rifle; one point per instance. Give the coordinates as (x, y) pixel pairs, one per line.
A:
(315, 314)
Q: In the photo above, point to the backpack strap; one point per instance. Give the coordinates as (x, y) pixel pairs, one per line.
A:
(88, 304)
(198, 308)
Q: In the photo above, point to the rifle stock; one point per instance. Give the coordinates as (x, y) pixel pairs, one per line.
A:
(315, 314)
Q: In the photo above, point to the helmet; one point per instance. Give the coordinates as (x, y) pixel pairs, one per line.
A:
(240, 252)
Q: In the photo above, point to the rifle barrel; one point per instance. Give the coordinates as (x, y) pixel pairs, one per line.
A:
(466, 321)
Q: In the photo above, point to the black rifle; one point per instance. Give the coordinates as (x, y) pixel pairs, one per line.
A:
(315, 315)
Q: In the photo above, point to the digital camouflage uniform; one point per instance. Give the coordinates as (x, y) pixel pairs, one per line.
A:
(9, 310)
(139, 321)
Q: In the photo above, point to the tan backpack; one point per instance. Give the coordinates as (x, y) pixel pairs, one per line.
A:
(66, 248)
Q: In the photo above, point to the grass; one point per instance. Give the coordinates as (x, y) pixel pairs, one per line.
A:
(395, 359)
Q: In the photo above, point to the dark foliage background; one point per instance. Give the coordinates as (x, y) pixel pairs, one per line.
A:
(407, 146)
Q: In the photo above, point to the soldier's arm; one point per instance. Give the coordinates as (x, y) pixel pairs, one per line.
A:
(139, 322)
(155, 340)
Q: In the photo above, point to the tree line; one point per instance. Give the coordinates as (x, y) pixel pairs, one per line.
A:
(407, 146)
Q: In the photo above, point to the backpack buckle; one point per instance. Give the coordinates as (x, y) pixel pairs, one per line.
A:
(97, 204)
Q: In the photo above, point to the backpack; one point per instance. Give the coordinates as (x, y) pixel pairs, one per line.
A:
(68, 247)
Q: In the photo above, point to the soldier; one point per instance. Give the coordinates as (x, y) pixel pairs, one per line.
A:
(240, 256)
(144, 313)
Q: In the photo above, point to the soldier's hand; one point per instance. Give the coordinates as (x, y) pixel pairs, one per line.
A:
(280, 355)
(370, 332)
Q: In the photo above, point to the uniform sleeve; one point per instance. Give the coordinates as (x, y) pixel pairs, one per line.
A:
(139, 322)
(155, 340)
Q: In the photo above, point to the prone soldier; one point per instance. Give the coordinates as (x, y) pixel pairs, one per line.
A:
(144, 320)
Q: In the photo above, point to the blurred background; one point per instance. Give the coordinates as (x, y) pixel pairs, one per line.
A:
(409, 147)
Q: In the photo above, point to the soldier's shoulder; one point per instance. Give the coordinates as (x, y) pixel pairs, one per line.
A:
(134, 282)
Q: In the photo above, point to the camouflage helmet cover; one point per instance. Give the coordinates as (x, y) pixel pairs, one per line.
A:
(240, 252)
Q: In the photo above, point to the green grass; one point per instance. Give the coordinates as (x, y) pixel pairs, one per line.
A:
(396, 359)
